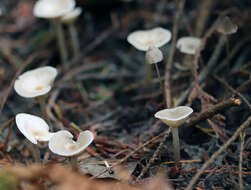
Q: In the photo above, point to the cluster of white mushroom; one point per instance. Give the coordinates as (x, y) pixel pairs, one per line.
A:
(37, 83)
(61, 11)
(150, 41)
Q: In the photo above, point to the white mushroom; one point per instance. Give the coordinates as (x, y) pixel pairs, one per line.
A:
(188, 45)
(51, 9)
(174, 117)
(143, 39)
(35, 82)
(226, 26)
(62, 144)
(33, 127)
(69, 19)
(154, 55)
(72, 15)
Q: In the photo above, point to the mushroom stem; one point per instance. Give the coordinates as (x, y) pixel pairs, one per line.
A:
(61, 43)
(227, 45)
(176, 144)
(74, 39)
(35, 152)
(42, 103)
(148, 73)
(74, 162)
(158, 73)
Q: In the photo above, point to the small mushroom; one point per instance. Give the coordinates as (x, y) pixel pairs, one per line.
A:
(174, 118)
(226, 27)
(153, 56)
(53, 10)
(188, 45)
(69, 19)
(34, 129)
(61, 143)
(36, 83)
(145, 39)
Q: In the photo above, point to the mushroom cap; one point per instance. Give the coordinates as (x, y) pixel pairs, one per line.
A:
(154, 55)
(72, 15)
(61, 143)
(188, 45)
(51, 9)
(35, 82)
(226, 26)
(174, 117)
(33, 127)
(143, 39)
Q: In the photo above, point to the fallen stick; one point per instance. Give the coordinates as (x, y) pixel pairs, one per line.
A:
(211, 111)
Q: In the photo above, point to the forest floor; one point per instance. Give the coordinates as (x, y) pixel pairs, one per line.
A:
(104, 91)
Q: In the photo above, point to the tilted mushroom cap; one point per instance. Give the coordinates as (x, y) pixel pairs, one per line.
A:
(33, 127)
(52, 8)
(154, 55)
(71, 16)
(35, 82)
(174, 117)
(143, 39)
(188, 45)
(62, 144)
(226, 26)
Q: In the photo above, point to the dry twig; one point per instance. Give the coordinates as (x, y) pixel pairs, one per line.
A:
(169, 63)
(214, 110)
(233, 90)
(242, 140)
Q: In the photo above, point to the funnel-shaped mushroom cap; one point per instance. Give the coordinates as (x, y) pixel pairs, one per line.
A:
(188, 45)
(174, 117)
(143, 39)
(226, 26)
(71, 16)
(53, 8)
(33, 127)
(62, 144)
(154, 55)
(36, 82)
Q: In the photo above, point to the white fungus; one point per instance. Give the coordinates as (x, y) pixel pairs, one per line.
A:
(33, 127)
(35, 82)
(143, 39)
(51, 9)
(174, 117)
(62, 143)
(153, 55)
(226, 26)
(72, 15)
(188, 45)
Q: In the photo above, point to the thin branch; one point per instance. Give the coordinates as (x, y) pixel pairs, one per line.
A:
(242, 140)
(233, 90)
(168, 94)
(220, 150)
(213, 110)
